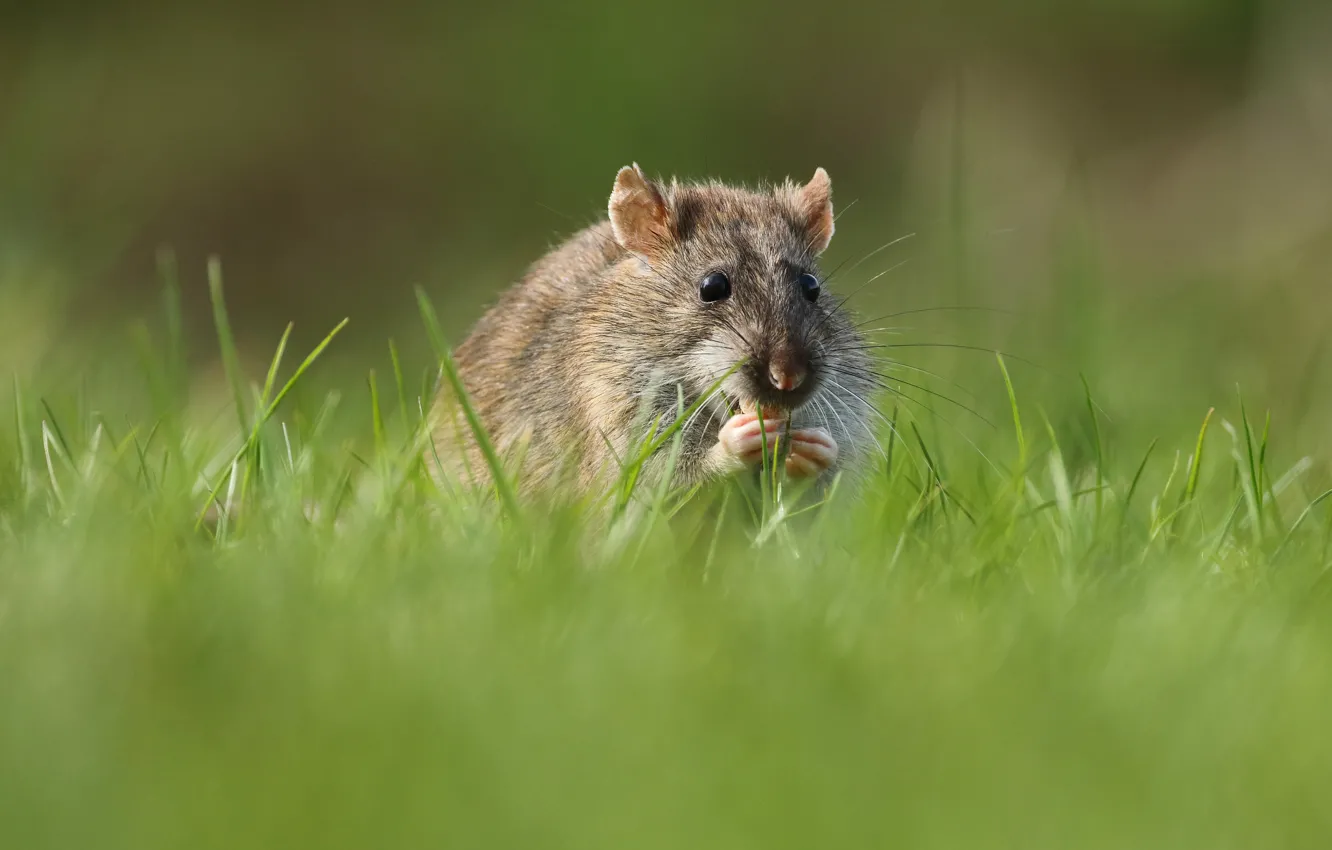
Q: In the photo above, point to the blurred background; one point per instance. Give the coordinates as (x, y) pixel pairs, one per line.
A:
(1143, 186)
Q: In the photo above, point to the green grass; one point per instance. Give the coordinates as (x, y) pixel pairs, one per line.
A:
(992, 646)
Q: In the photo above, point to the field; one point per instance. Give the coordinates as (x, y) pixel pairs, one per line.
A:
(1083, 601)
(1025, 635)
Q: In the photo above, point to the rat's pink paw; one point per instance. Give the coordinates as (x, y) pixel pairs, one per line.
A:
(813, 451)
(741, 439)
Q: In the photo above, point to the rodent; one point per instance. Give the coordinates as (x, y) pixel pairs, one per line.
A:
(653, 304)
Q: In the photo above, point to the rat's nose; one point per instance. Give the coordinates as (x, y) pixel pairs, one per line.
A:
(786, 372)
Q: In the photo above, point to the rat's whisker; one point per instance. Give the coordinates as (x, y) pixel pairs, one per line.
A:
(730, 325)
(884, 247)
(869, 407)
(878, 346)
(898, 364)
(840, 422)
(860, 325)
(837, 308)
(947, 310)
(841, 302)
(923, 389)
(829, 403)
(706, 404)
(844, 210)
(888, 270)
(832, 274)
(860, 348)
(869, 432)
(707, 426)
(961, 347)
(888, 329)
(832, 402)
(822, 411)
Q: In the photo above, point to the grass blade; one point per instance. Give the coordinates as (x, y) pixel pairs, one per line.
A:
(1137, 478)
(1317, 500)
(450, 368)
(1098, 445)
(398, 383)
(302, 369)
(227, 343)
(1017, 417)
(1254, 474)
(273, 366)
(1195, 468)
(23, 446)
(1192, 489)
(56, 430)
(377, 418)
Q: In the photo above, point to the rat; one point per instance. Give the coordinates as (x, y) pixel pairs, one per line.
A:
(637, 316)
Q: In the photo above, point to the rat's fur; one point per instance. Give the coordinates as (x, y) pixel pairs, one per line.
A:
(609, 327)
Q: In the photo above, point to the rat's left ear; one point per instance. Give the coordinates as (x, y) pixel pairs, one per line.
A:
(813, 206)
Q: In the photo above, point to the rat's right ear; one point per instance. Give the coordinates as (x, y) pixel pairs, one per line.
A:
(638, 213)
(813, 203)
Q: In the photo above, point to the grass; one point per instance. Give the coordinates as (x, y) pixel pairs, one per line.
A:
(991, 646)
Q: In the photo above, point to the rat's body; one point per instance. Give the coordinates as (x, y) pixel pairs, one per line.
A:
(615, 326)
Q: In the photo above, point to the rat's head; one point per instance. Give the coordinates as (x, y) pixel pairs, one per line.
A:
(732, 275)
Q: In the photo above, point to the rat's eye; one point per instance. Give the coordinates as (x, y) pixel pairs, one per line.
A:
(714, 287)
(810, 287)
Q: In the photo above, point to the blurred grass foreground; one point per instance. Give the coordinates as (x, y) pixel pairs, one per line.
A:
(1084, 602)
(991, 648)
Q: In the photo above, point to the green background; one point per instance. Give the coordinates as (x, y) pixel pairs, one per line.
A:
(1142, 184)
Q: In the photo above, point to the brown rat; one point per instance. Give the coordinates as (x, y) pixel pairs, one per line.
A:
(657, 303)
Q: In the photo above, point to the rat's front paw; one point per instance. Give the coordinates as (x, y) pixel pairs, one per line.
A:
(813, 451)
(740, 442)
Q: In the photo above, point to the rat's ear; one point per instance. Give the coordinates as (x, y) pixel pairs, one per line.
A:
(638, 213)
(813, 206)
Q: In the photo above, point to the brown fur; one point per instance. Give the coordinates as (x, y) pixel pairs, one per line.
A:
(610, 325)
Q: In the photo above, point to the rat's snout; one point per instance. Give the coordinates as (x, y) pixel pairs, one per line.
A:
(786, 375)
(781, 375)
(787, 370)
